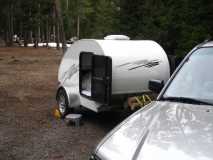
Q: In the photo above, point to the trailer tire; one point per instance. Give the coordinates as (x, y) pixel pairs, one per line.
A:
(62, 100)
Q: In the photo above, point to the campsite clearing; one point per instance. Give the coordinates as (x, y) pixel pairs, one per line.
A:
(28, 130)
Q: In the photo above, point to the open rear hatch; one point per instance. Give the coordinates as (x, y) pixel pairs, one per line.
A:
(95, 77)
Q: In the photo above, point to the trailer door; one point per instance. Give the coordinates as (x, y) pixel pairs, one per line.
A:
(101, 79)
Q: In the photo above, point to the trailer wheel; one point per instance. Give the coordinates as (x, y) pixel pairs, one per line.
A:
(62, 101)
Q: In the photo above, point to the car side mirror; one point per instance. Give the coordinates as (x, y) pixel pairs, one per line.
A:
(156, 85)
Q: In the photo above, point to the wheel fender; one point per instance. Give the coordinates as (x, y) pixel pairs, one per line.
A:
(73, 99)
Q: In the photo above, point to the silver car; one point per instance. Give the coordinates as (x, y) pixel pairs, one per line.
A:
(178, 126)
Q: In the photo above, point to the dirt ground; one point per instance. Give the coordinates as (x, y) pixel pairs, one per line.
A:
(28, 130)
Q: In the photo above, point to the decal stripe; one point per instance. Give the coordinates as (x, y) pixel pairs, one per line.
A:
(140, 63)
(148, 65)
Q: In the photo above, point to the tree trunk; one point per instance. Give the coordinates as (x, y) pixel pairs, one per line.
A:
(39, 24)
(54, 24)
(11, 26)
(25, 39)
(47, 34)
(78, 26)
(60, 22)
(21, 31)
(37, 30)
(9, 36)
(30, 37)
(54, 33)
(39, 33)
(78, 20)
(43, 34)
(57, 36)
(67, 4)
(36, 39)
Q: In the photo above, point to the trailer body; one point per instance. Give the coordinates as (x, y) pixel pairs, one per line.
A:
(99, 74)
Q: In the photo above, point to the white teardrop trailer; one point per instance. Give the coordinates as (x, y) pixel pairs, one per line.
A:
(101, 74)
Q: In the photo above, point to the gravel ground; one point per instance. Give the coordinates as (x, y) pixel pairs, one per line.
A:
(28, 130)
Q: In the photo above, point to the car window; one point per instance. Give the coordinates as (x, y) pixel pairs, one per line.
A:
(195, 78)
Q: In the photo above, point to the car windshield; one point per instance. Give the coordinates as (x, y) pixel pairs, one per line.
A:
(194, 81)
